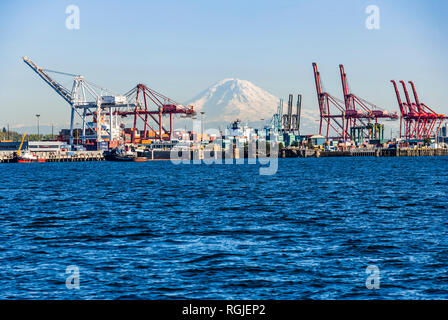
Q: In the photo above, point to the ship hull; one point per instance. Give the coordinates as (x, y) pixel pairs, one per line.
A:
(114, 157)
(18, 160)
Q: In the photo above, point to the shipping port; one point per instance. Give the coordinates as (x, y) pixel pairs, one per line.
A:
(139, 126)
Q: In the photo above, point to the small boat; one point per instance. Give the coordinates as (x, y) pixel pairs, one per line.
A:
(26, 157)
(121, 153)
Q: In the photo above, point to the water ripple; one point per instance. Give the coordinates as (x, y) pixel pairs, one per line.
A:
(160, 231)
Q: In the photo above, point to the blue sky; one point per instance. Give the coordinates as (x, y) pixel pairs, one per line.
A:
(181, 47)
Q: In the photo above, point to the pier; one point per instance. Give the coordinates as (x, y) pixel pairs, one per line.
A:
(75, 156)
(82, 156)
(401, 152)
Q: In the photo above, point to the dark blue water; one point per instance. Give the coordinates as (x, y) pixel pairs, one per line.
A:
(155, 230)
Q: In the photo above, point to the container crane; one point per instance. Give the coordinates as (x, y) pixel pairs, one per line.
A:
(89, 100)
(417, 121)
(291, 121)
(86, 99)
(359, 113)
(149, 107)
(277, 118)
(332, 111)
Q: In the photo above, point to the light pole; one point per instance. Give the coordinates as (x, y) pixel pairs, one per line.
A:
(38, 129)
(202, 126)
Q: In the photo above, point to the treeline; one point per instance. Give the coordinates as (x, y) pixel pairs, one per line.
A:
(15, 136)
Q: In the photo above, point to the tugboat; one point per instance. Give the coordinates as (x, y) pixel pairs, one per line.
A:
(25, 157)
(121, 153)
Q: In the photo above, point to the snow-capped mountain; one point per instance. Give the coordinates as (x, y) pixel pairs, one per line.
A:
(231, 99)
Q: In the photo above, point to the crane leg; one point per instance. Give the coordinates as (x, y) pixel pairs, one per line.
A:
(84, 127)
(72, 118)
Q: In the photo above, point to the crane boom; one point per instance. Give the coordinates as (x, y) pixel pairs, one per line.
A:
(406, 93)
(347, 99)
(289, 123)
(299, 110)
(60, 89)
(320, 97)
(402, 105)
(21, 144)
(417, 100)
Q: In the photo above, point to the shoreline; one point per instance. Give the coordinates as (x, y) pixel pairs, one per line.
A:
(82, 156)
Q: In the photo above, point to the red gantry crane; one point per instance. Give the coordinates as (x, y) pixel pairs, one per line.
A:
(343, 117)
(360, 113)
(417, 121)
(150, 108)
(332, 112)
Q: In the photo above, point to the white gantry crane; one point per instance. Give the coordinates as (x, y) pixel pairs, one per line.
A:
(277, 119)
(87, 99)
